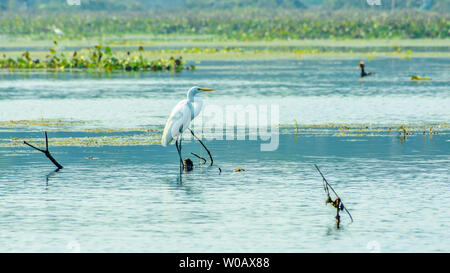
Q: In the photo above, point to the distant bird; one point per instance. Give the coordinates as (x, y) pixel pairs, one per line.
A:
(363, 72)
(58, 31)
(180, 118)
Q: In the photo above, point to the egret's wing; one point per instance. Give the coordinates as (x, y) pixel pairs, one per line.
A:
(178, 121)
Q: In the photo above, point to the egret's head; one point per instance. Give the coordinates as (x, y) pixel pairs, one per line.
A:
(195, 90)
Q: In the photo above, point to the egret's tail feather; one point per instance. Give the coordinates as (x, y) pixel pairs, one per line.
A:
(166, 138)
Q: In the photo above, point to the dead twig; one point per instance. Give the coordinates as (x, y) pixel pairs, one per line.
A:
(204, 146)
(338, 204)
(46, 152)
(199, 157)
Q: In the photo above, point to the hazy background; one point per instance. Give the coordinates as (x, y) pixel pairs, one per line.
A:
(441, 5)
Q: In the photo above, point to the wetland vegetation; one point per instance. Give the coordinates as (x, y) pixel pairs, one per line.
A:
(108, 36)
(245, 25)
(98, 58)
(382, 139)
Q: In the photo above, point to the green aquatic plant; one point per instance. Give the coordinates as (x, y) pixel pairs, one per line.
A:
(98, 58)
(419, 78)
(247, 24)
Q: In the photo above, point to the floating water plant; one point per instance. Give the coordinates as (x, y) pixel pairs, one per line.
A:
(98, 58)
(419, 78)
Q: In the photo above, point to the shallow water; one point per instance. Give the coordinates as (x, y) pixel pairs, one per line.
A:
(128, 197)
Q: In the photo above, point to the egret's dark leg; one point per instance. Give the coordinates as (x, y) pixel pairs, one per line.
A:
(178, 144)
(179, 154)
(181, 158)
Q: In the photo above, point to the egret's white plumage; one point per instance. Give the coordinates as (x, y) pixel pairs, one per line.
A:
(58, 31)
(182, 115)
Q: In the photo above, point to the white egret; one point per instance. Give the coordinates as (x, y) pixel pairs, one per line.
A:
(58, 31)
(180, 118)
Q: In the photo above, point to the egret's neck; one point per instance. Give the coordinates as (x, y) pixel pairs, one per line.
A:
(197, 104)
(191, 96)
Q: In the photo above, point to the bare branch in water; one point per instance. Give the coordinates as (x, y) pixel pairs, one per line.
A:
(338, 202)
(209, 153)
(196, 155)
(46, 152)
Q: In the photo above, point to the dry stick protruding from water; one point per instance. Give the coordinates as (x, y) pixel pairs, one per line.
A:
(199, 157)
(212, 161)
(46, 152)
(204, 161)
(338, 204)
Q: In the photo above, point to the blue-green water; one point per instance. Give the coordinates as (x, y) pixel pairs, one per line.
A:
(129, 198)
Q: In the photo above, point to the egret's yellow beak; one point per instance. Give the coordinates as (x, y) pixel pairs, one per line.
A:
(206, 89)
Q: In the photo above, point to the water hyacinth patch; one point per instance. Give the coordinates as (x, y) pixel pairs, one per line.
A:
(98, 58)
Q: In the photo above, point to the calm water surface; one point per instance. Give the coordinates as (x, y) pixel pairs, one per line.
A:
(129, 198)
